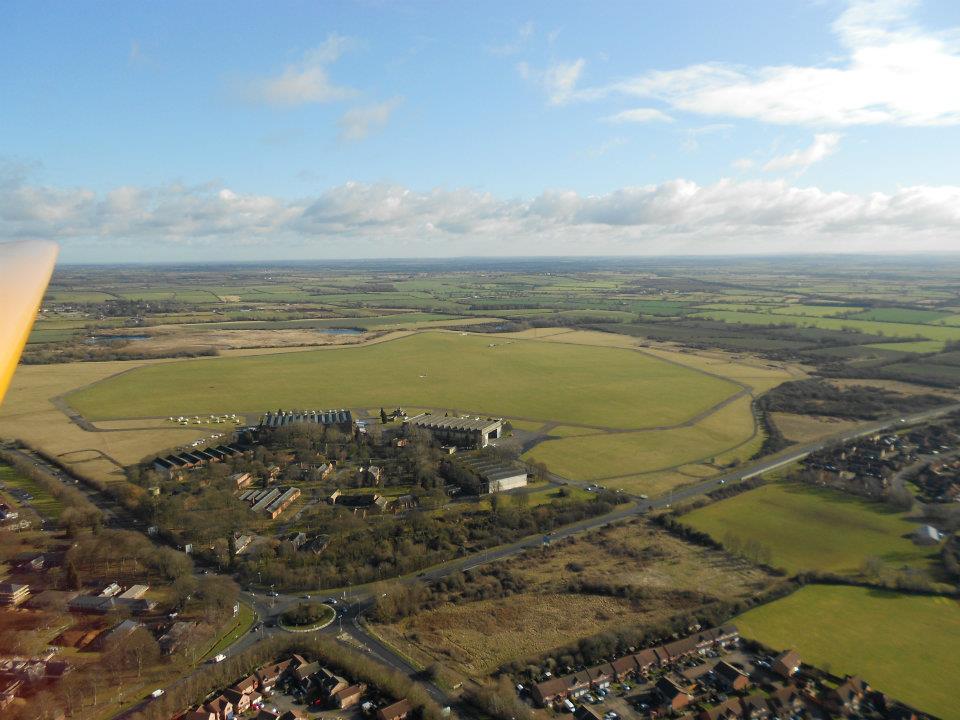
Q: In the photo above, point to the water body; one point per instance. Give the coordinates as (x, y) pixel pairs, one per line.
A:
(340, 331)
(94, 339)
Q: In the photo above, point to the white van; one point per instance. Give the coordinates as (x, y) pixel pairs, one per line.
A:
(569, 706)
(157, 693)
(219, 658)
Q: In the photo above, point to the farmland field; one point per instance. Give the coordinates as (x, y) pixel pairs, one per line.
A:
(902, 644)
(809, 528)
(874, 327)
(576, 385)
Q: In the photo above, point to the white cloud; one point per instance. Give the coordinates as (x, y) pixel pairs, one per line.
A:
(639, 115)
(823, 144)
(893, 72)
(306, 81)
(515, 46)
(742, 164)
(357, 123)
(559, 80)
(358, 219)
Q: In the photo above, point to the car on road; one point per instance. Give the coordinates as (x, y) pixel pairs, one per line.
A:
(644, 497)
(157, 693)
(273, 593)
(219, 658)
(331, 601)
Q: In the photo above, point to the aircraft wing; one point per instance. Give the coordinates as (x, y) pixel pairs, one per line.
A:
(25, 269)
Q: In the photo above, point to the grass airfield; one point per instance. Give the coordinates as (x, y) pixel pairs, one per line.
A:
(652, 418)
(575, 385)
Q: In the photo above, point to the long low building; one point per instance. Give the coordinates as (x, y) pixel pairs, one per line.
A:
(342, 419)
(496, 476)
(465, 432)
(172, 464)
(271, 502)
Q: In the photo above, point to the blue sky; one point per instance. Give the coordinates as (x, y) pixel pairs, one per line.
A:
(339, 129)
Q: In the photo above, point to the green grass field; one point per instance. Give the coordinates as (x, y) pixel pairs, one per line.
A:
(905, 645)
(890, 329)
(901, 315)
(606, 455)
(809, 528)
(44, 503)
(488, 374)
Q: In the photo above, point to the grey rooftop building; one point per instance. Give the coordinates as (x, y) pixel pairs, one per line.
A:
(284, 418)
(465, 432)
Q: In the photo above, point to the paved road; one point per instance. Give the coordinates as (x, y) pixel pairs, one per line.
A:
(353, 602)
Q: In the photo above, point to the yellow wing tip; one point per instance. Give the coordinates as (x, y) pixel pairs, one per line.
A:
(25, 269)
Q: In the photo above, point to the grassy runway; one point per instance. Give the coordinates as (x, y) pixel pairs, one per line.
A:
(570, 384)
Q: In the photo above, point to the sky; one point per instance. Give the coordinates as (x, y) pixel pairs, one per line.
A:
(181, 131)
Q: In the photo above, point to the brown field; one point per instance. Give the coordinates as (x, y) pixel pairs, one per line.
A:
(806, 428)
(898, 386)
(476, 637)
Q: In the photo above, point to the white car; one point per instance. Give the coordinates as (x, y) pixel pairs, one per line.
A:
(157, 693)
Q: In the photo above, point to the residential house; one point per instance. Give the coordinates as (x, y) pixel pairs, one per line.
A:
(348, 696)
(730, 678)
(269, 675)
(673, 695)
(330, 683)
(397, 711)
(221, 707)
(239, 700)
(200, 714)
(372, 474)
(787, 663)
(786, 701)
(601, 676)
(247, 686)
(846, 697)
(291, 715)
(755, 707)
(727, 710)
(625, 668)
(302, 675)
